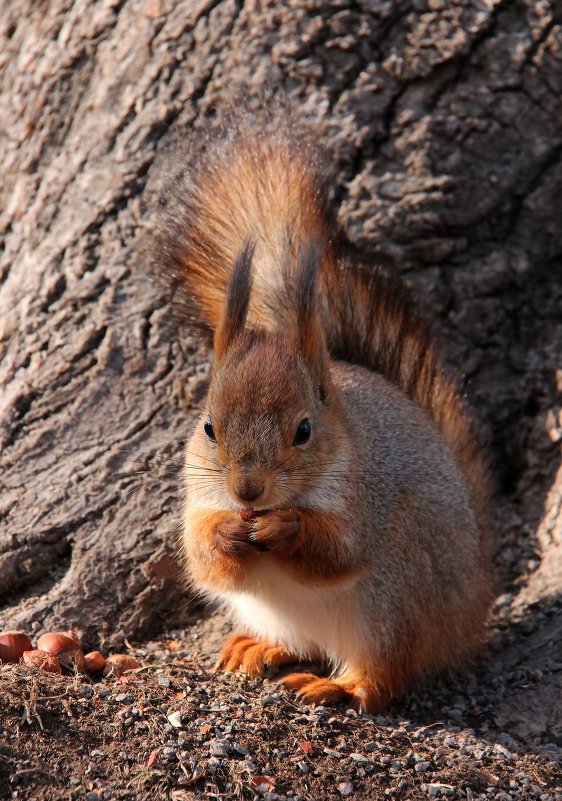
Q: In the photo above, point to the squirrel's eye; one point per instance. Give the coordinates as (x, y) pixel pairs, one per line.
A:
(209, 431)
(302, 434)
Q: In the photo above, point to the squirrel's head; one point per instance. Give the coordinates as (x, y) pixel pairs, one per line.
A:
(271, 408)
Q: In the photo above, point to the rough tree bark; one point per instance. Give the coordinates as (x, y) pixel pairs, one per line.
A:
(445, 123)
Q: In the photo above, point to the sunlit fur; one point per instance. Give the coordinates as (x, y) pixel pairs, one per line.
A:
(372, 549)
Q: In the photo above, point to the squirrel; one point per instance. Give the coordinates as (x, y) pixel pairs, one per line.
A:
(336, 499)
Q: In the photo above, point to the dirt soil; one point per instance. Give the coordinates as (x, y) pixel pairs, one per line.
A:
(175, 730)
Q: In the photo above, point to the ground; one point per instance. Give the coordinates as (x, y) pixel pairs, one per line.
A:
(175, 730)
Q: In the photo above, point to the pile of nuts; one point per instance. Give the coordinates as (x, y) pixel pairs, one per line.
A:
(59, 651)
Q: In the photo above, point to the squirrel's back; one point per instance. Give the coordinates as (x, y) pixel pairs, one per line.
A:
(262, 179)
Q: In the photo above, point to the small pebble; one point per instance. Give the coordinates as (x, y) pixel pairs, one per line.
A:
(358, 757)
(175, 719)
(218, 748)
(332, 753)
(437, 790)
(502, 751)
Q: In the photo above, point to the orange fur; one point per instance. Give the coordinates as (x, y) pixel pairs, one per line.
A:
(220, 551)
(251, 656)
(358, 691)
(331, 414)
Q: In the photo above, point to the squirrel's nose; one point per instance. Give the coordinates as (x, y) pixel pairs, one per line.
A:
(248, 489)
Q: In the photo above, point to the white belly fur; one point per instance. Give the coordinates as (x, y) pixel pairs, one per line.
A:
(311, 622)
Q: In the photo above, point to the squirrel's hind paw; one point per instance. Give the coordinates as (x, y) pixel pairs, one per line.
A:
(360, 694)
(251, 656)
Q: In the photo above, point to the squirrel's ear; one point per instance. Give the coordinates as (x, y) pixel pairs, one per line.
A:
(311, 339)
(237, 300)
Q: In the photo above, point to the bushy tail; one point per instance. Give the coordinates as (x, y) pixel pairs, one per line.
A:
(254, 181)
(373, 320)
(267, 182)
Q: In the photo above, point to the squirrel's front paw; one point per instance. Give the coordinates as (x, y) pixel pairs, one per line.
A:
(232, 536)
(276, 530)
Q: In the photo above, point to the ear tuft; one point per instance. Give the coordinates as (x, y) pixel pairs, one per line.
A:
(237, 300)
(309, 330)
(306, 281)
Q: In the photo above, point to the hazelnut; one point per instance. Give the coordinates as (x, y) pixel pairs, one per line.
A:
(248, 515)
(71, 636)
(117, 664)
(64, 648)
(12, 645)
(94, 662)
(42, 660)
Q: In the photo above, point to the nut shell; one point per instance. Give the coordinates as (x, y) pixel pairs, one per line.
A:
(42, 660)
(94, 662)
(55, 641)
(117, 664)
(248, 515)
(71, 636)
(66, 650)
(12, 645)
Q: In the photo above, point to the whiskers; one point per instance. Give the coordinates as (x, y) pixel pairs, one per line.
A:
(206, 459)
(155, 468)
(324, 479)
(204, 480)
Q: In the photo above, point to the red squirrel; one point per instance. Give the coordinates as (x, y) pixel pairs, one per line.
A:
(336, 501)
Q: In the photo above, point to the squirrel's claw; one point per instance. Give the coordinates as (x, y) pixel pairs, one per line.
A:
(360, 694)
(251, 656)
(277, 530)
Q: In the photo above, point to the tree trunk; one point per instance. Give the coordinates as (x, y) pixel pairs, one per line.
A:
(446, 126)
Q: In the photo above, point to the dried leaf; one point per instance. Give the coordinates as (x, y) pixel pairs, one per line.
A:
(490, 778)
(306, 746)
(262, 784)
(198, 771)
(152, 758)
